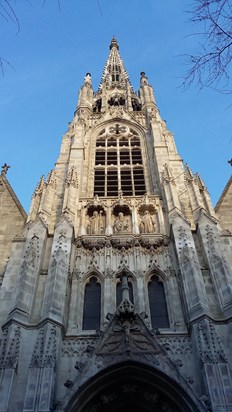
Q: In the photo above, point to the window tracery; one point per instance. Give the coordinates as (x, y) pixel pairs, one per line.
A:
(118, 163)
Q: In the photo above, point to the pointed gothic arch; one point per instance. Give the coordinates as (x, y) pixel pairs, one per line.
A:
(132, 385)
(92, 304)
(157, 302)
(118, 163)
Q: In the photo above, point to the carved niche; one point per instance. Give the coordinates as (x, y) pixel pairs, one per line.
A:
(147, 218)
(121, 220)
(95, 218)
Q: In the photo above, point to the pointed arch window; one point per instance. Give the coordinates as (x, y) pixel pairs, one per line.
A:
(158, 305)
(119, 163)
(92, 305)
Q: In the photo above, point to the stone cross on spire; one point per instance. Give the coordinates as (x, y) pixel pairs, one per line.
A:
(5, 168)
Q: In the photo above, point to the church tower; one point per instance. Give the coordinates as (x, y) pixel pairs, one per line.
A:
(118, 294)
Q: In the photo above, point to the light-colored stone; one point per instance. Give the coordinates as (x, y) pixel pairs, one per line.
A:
(77, 233)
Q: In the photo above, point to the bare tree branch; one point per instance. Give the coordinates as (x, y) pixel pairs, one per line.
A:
(211, 66)
(8, 13)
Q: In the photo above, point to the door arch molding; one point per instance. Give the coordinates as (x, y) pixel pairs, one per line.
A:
(132, 386)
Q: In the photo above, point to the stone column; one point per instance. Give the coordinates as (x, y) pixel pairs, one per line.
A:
(109, 230)
(72, 320)
(82, 230)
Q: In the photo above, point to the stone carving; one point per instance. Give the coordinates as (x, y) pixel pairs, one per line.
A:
(93, 243)
(168, 175)
(154, 242)
(127, 333)
(209, 344)
(72, 179)
(116, 111)
(96, 223)
(40, 186)
(121, 223)
(149, 244)
(10, 345)
(44, 353)
(147, 224)
(8, 364)
(77, 347)
(176, 345)
(188, 254)
(51, 179)
(121, 201)
(122, 243)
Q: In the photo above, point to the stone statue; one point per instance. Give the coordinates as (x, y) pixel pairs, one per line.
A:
(121, 223)
(147, 224)
(96, 223)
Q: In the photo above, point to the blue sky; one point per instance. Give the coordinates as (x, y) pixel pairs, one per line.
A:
(52, 53)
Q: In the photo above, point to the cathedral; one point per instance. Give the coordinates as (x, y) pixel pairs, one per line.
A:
(116, 289)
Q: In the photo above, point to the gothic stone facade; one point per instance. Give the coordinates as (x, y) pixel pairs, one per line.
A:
(118, 294)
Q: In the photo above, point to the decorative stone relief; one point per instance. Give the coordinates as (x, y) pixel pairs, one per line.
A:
(122, 224)
(9, 355)
(209, 344)
(96, 223)
(10, 344)
(147, 223)
(72, 179)
(77, 347)
(179, 349)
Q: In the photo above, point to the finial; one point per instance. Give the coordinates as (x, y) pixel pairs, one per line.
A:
(114, 43)
(230, 162)
(5, 168)
(143, 79)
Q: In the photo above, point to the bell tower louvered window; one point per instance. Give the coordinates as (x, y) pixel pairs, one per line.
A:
(118, 163)
(157, 301)
(92, 305)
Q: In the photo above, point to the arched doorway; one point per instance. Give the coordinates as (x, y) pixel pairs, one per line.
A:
(131, 387)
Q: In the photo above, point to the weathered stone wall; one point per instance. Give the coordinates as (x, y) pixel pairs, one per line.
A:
(224, 207)
(12, 219)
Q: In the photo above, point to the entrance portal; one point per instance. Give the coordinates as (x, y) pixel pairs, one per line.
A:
(131, 387)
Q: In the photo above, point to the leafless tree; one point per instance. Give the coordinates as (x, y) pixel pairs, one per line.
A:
(7, 13)
(211, 66)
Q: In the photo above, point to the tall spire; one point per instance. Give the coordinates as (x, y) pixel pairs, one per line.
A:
(114, 73)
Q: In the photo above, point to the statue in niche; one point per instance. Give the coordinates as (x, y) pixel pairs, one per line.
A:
(147, 224)
(96, 225)
(121, 223)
